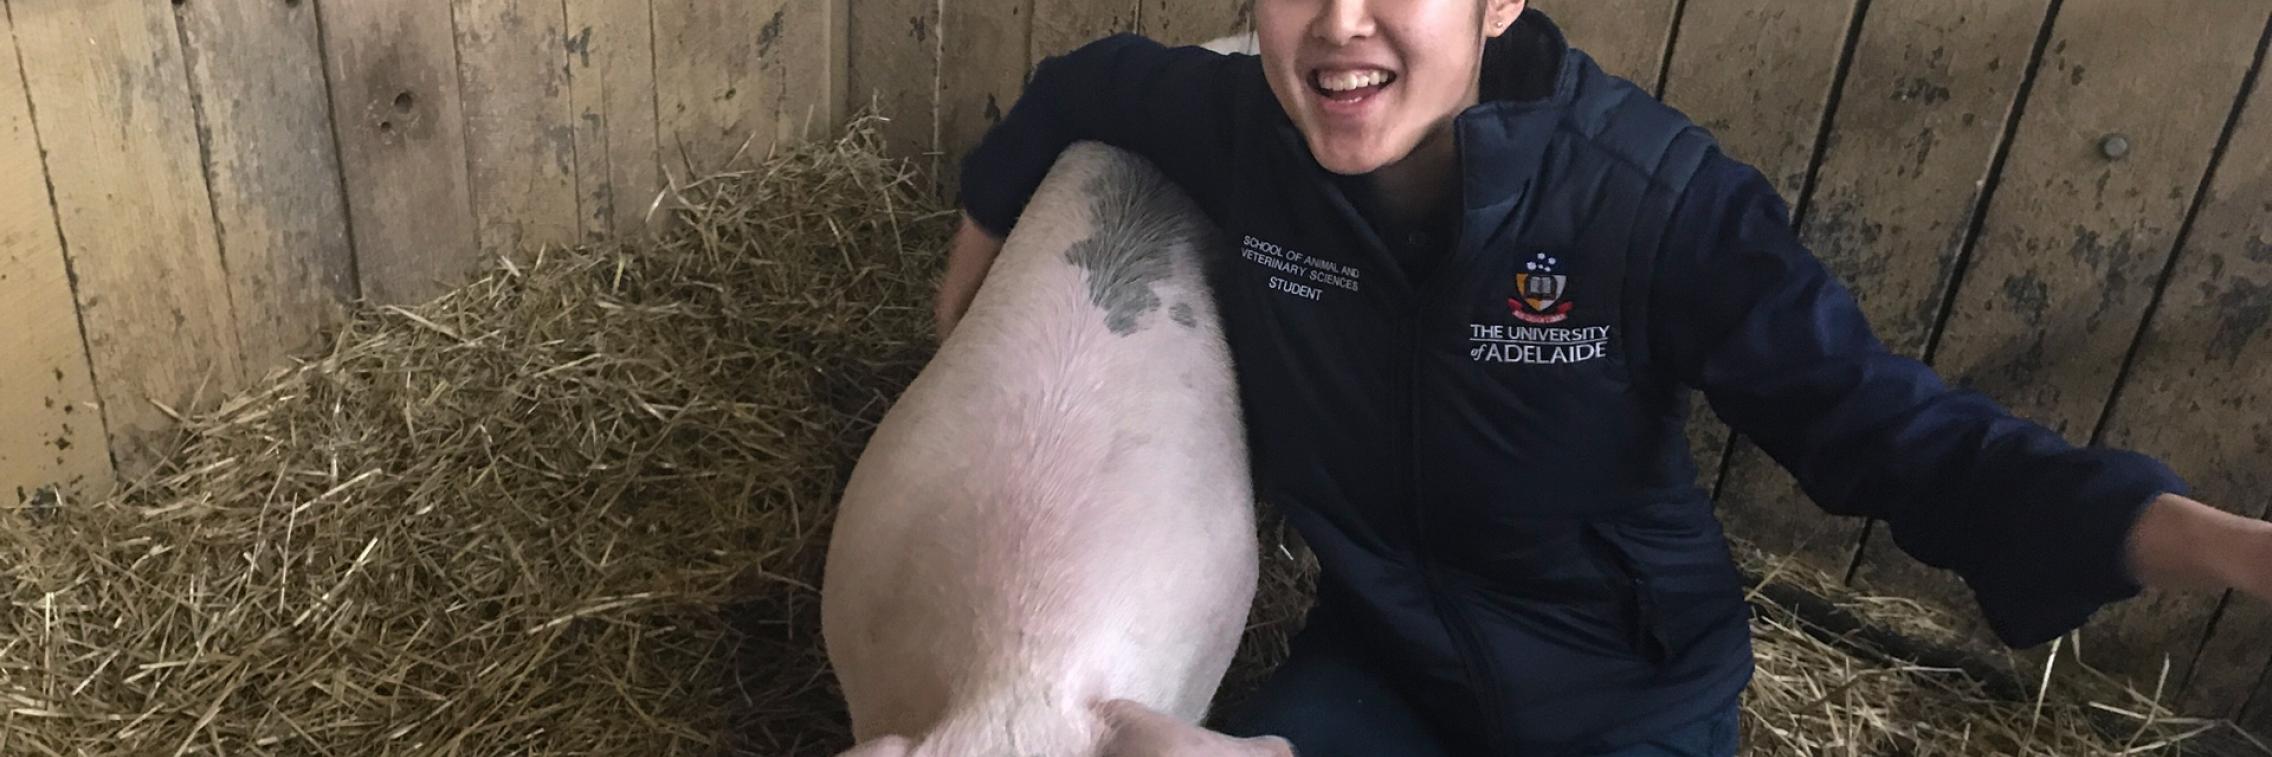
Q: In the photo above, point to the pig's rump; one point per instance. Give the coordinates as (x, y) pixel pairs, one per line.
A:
(1057, 511)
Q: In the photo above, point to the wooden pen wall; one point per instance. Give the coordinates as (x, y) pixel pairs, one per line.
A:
(192, 190)
(2065, 204)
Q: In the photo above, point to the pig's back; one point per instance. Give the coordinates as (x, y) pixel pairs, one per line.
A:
(1062, 494)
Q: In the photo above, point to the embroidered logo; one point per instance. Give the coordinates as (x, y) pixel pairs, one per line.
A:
(1538, 292)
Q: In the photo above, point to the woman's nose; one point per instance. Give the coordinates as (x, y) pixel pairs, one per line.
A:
(1340, 21)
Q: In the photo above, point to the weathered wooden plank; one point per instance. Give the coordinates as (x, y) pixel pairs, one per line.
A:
(611, 76)
(1191, 22)
(256, 68)
(1757, 73)
(1062, 25)
(2199, 397)
(801, 49)
(706, 82)
(981, 72)
(47, 396)
(520, 136)
(112, 104)
(401, 131)
(2075, 240)
(739, 77)
(1627, 37)
(894, 68)
(1923, 112)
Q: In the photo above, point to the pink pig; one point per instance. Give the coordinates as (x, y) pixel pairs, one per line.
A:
(1048, 547)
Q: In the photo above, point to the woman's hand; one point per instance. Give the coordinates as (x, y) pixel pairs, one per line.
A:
(969, 256)
(1134, 730)
(2182, 545)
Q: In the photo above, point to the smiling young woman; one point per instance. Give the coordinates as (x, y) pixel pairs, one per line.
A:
(1477, 422)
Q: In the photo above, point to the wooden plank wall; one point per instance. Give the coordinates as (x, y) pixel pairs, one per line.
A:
(192, 192)
(2059, 203)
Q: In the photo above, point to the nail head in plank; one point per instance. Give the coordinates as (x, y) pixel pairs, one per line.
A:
(2199, 397)
(2072, 245)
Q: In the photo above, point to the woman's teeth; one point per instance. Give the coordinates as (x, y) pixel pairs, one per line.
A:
(1344, 81)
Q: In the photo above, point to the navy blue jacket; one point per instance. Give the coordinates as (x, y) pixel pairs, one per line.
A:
(1481, 435)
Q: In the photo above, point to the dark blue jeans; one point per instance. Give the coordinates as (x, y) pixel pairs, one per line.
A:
(1330, 702)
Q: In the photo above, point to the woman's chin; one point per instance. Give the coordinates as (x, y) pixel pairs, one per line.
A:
(1350, 160)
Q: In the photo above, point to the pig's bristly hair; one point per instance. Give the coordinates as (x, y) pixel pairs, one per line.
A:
(1029, 718)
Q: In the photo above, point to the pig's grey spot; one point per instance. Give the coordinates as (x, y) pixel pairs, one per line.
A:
(1138, 219)
(1182, 314)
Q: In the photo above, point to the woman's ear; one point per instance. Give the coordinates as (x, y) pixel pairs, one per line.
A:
(1498, 15)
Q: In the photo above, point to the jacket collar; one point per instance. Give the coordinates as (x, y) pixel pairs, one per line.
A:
(1529, 74)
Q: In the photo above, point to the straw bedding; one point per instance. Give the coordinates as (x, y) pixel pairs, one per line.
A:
(578, 507)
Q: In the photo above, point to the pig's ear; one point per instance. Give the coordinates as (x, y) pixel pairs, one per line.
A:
(888, 746)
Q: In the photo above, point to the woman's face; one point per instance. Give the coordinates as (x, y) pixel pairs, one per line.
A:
(1366, 81)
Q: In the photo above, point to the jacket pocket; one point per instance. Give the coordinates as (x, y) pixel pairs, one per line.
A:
(1644, 619)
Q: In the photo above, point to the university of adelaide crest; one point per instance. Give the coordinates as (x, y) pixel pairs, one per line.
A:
(1539, 301)
(1538, 292)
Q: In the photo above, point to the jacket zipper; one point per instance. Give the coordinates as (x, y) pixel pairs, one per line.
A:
(1463, 637)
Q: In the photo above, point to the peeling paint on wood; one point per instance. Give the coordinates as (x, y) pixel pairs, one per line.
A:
(256, 68)
(984, 71)
(611, 76)
(49, 404)
(740, 77)
(520, 137)
(111, 99)
(401, 130)
(894, 68)
(707, 82)
(2073, 244)
(1059, 26)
